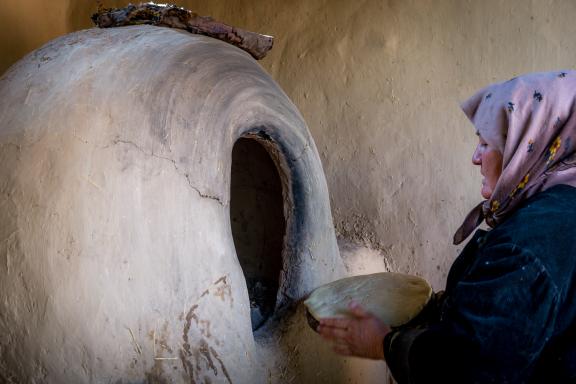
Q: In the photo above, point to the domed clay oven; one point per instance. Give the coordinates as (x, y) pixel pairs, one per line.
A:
(161, 200)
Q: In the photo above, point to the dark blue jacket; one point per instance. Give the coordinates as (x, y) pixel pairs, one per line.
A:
(508, 314)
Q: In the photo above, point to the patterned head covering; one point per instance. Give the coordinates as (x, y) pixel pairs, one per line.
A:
(531, 119)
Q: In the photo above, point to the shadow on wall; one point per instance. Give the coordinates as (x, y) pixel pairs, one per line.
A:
(78, 14)
(27, 25)
(16, 37)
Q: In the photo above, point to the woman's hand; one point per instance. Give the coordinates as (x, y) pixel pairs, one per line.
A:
(361, 335)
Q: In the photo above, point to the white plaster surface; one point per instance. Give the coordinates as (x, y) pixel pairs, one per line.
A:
(117, 262)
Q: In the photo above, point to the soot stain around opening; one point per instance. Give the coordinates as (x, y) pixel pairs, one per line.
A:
(258, 225)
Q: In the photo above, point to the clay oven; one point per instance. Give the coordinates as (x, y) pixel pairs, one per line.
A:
(153, 184)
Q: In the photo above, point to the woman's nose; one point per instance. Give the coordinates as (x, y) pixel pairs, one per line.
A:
(477, 157)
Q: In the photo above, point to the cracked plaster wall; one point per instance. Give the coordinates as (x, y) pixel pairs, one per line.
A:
(117, 261)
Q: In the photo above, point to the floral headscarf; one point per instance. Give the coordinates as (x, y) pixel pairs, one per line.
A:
(531, 119)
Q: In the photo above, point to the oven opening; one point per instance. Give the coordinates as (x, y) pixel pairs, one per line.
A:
(258, 224)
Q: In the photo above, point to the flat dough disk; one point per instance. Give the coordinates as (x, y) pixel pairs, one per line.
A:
(395, 298)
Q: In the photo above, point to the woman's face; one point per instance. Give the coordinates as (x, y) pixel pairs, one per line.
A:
(490, 161)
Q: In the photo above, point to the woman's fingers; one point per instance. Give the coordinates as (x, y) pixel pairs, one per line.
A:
(360, 335)
(335, 322)
(332, 332)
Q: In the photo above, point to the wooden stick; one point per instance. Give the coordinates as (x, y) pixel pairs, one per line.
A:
(175, 17)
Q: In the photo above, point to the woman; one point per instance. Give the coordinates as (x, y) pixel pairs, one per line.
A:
(508, 314)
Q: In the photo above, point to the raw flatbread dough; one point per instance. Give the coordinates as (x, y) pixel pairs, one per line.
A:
(395, 298)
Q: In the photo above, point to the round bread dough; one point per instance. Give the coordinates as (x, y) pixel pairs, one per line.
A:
(394, 298)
